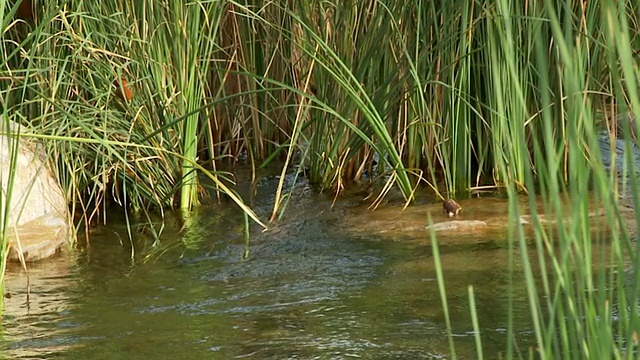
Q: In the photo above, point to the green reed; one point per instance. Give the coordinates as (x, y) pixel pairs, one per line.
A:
(10, 143)
(476, 326)
(117, 92)
(9, 147)
(554, 68)
(443, 291)
(396, 98)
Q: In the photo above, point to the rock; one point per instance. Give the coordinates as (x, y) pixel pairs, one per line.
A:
(38, 239)
(484, 219)
(458, 225)
(38, 221)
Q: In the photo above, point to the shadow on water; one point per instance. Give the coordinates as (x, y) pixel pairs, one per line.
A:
(310, 289)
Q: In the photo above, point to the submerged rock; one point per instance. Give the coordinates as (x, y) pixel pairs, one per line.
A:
(458, 225)
(484, 219)
(38, 217)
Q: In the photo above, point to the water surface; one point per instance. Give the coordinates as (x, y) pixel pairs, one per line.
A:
(310, 289)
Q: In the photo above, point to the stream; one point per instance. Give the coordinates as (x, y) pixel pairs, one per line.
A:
(310, 289)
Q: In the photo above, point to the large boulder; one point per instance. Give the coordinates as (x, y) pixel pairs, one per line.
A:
(38, 216)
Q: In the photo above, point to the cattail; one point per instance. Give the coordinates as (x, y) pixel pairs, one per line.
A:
(124, 91)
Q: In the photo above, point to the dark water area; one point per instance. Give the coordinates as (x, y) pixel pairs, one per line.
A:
(310, 289)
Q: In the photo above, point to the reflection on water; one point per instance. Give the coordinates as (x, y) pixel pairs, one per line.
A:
(309, 290)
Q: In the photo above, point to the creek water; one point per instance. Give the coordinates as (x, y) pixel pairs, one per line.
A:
(310, 289)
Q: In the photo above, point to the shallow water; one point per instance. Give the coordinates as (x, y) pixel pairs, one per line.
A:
(310, 289)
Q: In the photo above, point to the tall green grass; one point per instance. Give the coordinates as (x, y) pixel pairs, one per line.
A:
(9, 146)
(554, 66)
(394, 93)
(9, 143)
(138, 147)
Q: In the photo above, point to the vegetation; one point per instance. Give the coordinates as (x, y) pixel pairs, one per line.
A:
(137, 99)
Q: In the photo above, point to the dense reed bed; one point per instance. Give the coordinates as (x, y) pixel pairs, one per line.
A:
(135, 100)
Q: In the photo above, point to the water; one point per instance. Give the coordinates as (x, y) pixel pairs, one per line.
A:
(311, 289)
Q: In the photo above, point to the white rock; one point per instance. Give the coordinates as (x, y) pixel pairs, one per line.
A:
(36, 196)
